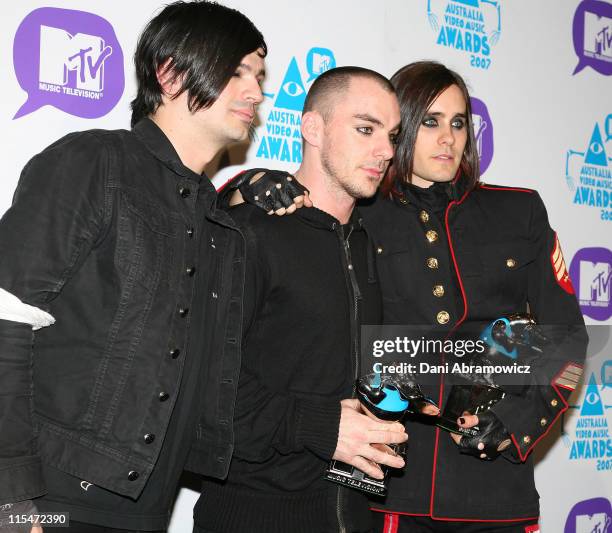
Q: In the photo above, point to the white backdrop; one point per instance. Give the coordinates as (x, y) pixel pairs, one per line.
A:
(542, 123)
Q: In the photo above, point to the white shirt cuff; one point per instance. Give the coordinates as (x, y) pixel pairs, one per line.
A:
(13, 309)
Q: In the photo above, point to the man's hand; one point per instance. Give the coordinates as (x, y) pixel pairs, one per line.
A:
(361, 440)
(276, 191)
(493, 438)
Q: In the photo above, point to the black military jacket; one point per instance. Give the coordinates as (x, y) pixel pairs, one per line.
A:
(487, 253)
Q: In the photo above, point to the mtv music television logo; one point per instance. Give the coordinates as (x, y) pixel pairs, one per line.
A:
(591, 270)
(597, 522)
(79, 68)
(483, 132)
(61, 53)
(590, 516)
(597, 36)
(592, 36)
(595, 283)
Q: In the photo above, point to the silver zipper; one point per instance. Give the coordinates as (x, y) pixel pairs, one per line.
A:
(356, 296)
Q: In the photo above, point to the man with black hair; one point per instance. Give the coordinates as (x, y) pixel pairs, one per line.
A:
(310, 285)
(115, 255)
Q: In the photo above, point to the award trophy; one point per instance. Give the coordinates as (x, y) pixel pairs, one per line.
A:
(478, 392)
(386, 397)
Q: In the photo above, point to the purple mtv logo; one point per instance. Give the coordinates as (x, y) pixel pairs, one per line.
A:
(483, 131)
(592, 31)
(70, 60)
(590, 516)
(591, 272)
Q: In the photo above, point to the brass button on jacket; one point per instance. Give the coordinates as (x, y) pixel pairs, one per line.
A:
(432, 262)
(438, 291)
(432, 236)
(443, 317)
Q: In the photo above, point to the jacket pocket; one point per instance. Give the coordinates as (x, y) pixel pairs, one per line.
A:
(146, 239)
(398, 271)
(502, 280)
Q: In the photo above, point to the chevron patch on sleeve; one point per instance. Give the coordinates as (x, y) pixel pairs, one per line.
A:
(569, 376)
(560, 269)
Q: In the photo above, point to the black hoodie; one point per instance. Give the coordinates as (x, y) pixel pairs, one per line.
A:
(310, 284)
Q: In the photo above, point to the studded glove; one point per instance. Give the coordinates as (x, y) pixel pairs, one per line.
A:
(273, 190)
(491, 440)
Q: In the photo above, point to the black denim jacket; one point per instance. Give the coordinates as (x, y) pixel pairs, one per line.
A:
(111, 234)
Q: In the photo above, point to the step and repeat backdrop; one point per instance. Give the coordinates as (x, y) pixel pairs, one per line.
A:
(540, 79)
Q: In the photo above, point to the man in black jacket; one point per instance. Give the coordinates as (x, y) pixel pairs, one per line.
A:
(113, 242)
(310, 285)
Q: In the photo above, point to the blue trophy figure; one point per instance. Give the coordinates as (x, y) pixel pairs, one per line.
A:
(508, 340)
(386, 397)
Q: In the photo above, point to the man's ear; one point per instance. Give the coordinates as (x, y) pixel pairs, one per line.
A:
(313, 128)
(170, 84)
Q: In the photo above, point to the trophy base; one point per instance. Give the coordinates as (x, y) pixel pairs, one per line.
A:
(349, 476)
(471, 397)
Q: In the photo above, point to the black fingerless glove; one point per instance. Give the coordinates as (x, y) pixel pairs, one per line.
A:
(492, 433)
(273, 190)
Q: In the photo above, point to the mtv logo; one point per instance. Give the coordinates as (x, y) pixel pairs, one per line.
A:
(595, 523)
(597, 36)
(62, 53)
(595, 281)
(480, 124)
(321, 63)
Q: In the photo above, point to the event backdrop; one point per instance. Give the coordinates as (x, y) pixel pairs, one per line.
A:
(539, 73)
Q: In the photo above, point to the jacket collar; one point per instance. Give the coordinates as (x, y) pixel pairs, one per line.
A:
(320, 219)
(436, 194)
(155, 140)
